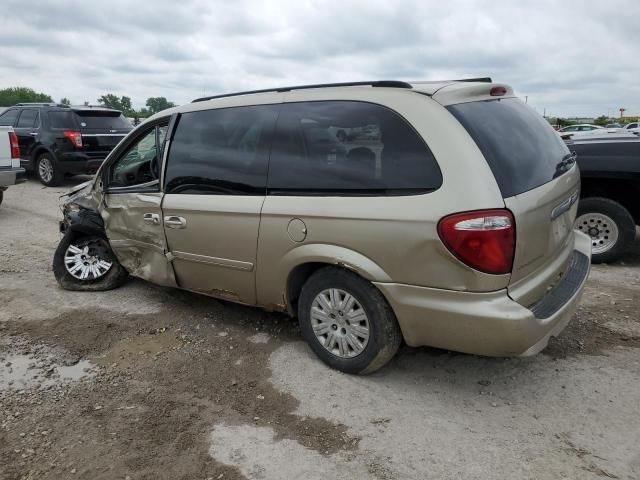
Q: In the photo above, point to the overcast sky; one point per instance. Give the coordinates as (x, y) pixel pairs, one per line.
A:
(570, 57)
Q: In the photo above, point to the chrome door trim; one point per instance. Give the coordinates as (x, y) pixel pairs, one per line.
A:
(220, 262)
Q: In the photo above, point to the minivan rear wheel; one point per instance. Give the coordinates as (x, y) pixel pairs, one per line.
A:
(610, 226)
(347, 322)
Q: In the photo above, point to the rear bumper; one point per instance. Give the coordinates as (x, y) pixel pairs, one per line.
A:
(11, 176)
(489, 323)
(78, 162)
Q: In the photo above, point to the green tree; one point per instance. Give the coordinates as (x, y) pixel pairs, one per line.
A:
(602, 120)
(111, 101)
(12, 95)
(157, 104)
(65, 101)
(118, 103)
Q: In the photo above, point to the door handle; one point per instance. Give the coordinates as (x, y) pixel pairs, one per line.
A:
(33, 134)
(152, 218)
(171, 221)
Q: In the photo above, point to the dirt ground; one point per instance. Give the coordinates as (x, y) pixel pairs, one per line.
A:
(151, 383)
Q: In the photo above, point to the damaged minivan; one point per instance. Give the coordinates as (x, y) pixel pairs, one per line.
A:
(451, 226)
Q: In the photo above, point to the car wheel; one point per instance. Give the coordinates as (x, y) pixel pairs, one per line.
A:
(610, 226)
(347, 322)
(48, 171)
(87, 263)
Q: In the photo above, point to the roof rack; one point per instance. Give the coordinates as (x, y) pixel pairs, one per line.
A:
(40, 104)
(376, 83)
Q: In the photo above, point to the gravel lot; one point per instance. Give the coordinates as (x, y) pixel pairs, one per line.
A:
(146, 382)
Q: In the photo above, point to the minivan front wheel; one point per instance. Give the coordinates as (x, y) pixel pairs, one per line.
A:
(86, 262)
(610, 226)
(347, 322)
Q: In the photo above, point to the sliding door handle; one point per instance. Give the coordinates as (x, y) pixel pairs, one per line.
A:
(172, 221)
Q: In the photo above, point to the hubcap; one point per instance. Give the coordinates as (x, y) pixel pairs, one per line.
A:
(45, 169)
(602, 230)
(87, 260)
(340, 323)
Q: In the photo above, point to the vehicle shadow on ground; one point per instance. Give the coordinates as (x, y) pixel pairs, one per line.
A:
(67, 182)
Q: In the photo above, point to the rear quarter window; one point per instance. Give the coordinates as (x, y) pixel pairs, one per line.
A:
(62, 120)
(348, 148)
(521, 148)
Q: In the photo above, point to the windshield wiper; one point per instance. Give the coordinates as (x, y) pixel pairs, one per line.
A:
(565, 164)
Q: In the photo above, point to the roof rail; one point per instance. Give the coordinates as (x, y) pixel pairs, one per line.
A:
(376, 83)
(40, 104)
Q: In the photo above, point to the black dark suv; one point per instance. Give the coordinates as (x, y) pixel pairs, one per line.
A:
(58, 139)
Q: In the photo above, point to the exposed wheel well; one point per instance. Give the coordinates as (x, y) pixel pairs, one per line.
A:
(623, 191)
(296, 280)
(37, 152)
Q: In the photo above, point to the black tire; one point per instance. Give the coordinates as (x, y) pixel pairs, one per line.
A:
(384, 332)
(113, 278)
(56, 177)
(623, 220)
(1, 196)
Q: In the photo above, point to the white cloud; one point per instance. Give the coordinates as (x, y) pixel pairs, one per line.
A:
(572, 58)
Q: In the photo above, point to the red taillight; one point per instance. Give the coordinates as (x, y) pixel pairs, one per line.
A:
(483, 239)
(498, 91)
(75, 137)
(15, 146)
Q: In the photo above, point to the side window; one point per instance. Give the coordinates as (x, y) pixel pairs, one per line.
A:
(9, 117)
(347, 147)
(221, 152)
(62, 120)
(28, 119)
(140, 163)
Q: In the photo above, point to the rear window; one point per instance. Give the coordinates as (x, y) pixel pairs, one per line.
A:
(348, 148)
(62, 120)
(104, 120)
(520, 146)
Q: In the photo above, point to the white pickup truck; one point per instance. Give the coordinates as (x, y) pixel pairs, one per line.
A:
(10, 170)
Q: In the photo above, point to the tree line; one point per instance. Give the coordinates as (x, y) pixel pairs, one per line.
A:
(13, 95)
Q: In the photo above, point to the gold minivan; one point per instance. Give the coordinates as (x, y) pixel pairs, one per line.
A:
(438, 213)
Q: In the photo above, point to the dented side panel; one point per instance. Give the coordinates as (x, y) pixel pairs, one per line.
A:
(139, 245)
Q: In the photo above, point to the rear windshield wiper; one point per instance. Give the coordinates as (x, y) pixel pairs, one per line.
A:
(565, 164)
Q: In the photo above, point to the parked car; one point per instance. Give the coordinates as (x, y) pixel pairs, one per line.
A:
(57, 139)
(613, 125)
(633, 127)
(446, 239)
(609, 209)
(10, 170)
(580, 130)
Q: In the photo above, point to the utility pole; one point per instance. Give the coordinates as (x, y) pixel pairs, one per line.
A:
(526, 99)
(622, 110)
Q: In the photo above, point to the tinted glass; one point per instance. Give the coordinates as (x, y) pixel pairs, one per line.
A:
(8, 118)
(344, 147)
(103, 120)
(223, 151)
(62, 120)
(27, 119)
(140, 163)
(520, 146)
